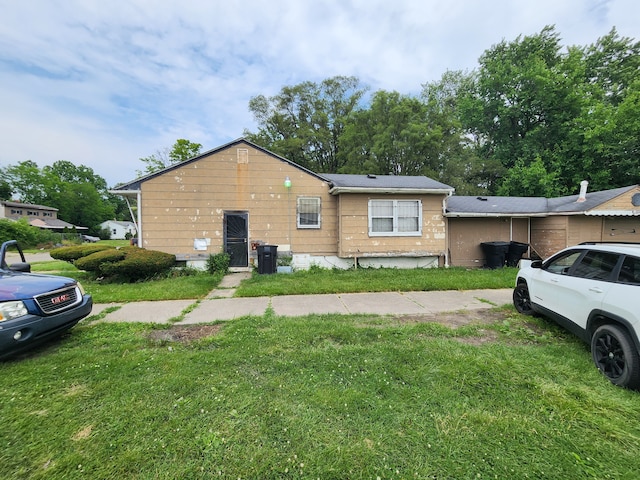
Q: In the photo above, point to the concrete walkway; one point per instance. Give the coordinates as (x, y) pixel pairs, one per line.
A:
(219, 304)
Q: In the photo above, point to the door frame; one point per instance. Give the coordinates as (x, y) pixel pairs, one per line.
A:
(245, 216)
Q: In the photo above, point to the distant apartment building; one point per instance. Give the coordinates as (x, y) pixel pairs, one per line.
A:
(39, 216)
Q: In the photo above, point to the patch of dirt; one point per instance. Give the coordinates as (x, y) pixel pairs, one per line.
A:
(458, 319)
(455, 320)
(185, 333)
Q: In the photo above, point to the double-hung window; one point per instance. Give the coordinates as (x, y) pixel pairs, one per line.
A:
(308, 212)
(395, 218)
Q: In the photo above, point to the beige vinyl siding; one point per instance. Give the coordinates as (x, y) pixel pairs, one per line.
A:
(467, 234)
(548, 235)
(189, 202)
(354, 227)
(584, 229)
(621, 229)
(622, 202)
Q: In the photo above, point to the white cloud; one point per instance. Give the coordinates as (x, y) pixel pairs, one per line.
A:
(103, 84)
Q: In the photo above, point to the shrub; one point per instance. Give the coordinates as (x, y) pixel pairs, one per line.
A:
(74, 252)
(139, 264)
(218, 263)
(26, 235)
(94, 262)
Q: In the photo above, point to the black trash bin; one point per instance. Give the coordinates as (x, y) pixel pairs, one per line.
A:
(267, 258)
(495, 253)
(515, 252)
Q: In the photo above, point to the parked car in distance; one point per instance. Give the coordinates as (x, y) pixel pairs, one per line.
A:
(90, 239)
(593, 290)
(35, 307)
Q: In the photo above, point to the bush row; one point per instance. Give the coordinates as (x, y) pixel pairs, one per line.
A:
(74, 252)
(129, 263)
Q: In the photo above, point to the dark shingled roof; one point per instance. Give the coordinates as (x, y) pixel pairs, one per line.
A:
(530, 206)
(384, 182)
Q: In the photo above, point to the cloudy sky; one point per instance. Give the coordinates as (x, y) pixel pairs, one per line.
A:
(104, 83)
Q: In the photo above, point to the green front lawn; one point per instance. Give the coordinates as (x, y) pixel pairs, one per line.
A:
(316, 281)
(318, 397)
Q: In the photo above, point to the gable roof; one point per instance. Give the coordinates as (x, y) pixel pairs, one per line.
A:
(134, 185)
(480, 206)
(344, 183)
(9, 203)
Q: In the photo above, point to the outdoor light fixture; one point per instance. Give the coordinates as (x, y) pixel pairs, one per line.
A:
(287, 182)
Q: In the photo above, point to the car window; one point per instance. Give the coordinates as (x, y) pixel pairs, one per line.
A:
(596, 265)
(563, 263)
(630, 271)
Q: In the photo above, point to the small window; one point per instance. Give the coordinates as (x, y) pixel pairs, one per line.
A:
(308, 212)
(395, 217)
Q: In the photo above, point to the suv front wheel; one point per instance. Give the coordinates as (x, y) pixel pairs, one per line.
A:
(615, 356)
(521, 299)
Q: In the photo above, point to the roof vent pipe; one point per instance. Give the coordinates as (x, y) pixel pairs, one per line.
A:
(583, 191)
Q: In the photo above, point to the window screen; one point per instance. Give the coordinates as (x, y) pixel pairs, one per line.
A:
(308, 212)
(395, 217)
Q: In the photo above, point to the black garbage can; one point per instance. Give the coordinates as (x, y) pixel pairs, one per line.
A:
(495, 253)
(515, 252)
(267, 258)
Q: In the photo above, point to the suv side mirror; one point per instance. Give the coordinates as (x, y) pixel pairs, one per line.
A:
(20, 267)
(536, 264)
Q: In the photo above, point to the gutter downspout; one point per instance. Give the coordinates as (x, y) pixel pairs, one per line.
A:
(446, 228)
(139, 225)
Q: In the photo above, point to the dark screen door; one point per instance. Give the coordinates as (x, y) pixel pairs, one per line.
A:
(236, 238)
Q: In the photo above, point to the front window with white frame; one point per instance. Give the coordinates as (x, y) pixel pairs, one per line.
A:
(308, 212)
(395, 218)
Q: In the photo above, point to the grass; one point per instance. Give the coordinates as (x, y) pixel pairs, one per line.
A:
(171, 288)
(317, 281)
(314, 281)
(316, 397)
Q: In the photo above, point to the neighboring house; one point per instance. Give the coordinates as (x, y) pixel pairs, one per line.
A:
(119, 230)
(240, 196)
(547, 225)
(38, 215)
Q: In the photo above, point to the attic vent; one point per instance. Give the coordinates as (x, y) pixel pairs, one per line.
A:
(635, 200)
(371, 175)
(243, 155)
(482, 199)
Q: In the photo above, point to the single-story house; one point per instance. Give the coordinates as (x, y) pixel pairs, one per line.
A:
(39, 216)
(119, 229)
(546, 224)
(240, 196)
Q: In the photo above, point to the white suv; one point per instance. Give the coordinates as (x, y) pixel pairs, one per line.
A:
(593, 290)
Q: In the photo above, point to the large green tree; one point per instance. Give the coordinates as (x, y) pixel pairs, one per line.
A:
(80, 195)
(180, 151)
(603, 144)
(558, 114)
(391, 137)
(304, 123)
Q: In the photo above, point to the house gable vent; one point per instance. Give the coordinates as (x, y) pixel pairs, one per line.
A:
(243, 155)
(635, 200)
